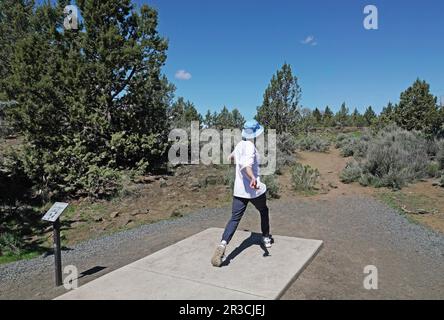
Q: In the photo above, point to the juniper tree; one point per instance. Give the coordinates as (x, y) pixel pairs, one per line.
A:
(91, 100)
(327, 117)
(342, 116)
(418, 109)
(317, 116)
(182, 112)
(356, 118)
(280, 106)
(369, 116)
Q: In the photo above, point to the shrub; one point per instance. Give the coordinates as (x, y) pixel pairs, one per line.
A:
(440, 155)
(272, 186)
(352, 172)
(441, 182)
(313, 142)
(70, 172)
(229, 177)
(353, 146)
(285, 148)
(433, 169)
(348, 148)
(340, 139)
(304, 178)
(10, 244)
(15, 186)
(100, 182)
(393, 158)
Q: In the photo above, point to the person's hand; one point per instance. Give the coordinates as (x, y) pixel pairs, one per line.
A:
(253, 183)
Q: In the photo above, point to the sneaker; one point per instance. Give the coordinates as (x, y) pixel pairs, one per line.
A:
(267, 242)
(218, 256)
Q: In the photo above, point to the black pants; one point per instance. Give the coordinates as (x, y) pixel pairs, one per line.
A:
(239, 207)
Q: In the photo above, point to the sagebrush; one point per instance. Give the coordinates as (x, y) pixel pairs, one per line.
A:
(304, 177)
(313, 142)
(393, 158)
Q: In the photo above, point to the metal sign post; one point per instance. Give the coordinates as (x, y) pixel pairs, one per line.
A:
(53, 215)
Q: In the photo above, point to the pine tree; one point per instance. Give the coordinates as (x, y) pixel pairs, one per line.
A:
(279, 109)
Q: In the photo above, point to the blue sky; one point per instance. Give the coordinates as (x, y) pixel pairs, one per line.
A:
(232, 48)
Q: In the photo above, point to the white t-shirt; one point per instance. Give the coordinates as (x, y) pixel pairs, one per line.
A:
(245, 155)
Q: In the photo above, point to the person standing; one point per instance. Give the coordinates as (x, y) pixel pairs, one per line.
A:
(247, 188)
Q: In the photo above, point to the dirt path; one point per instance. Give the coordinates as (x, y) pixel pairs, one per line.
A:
(329, 164)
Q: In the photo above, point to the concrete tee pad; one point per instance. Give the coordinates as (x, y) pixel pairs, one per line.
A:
(183, 270)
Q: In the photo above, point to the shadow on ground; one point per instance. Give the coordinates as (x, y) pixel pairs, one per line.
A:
(255, 239)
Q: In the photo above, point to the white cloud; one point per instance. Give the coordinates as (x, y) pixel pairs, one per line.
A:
(182, 75)
(309, 40)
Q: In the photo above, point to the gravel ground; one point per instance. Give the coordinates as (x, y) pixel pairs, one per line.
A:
(357, 231)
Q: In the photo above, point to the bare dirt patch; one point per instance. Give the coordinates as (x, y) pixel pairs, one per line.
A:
(329, 164)
(422, 202)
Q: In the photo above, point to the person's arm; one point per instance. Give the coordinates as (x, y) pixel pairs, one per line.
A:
(250, 175)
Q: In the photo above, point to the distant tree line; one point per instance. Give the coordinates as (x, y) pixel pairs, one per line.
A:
(417, 109)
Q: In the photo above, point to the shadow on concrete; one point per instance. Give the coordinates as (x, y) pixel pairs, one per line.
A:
(91, 271)
(255, 239)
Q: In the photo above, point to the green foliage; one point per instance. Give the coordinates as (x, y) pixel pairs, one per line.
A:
(272, 186)
(306, 121)
(352, 172)
(313, 142)
(440, 154)
(357, 119)
(328, 118)
(10, 244)
(369, 116)
(279, 109)
(15, 185)
(393, 158)
(304, 178)
(386, 117)
(99, 106)
(433, 170)
(317, 115)
(342, 116)
(14, 25)
(137, 150)
(352, 145)
(418, 109)
(285, 148)
(224, 120)
(182, 112)
(100, 182)
(229, 177)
